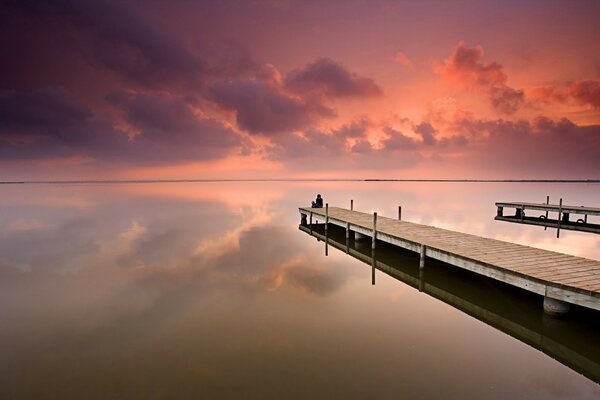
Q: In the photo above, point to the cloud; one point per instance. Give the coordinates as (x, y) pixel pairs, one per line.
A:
(41, 109)
(168, 125)
(49, 122)
(330, 79)
(264, 108)
(396, 140)
(543, 147)
(427, 132)
(112, 36)
(465, 66)
(402, 59)
(579, 92)
(271, 106)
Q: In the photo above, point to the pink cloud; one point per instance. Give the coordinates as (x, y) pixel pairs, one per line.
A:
(465, 66)
(585, 92)
(402, 59)
(578, 92)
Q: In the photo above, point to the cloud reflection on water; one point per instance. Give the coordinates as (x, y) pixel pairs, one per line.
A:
(189, 287)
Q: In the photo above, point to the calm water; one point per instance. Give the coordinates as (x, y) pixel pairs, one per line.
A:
(211, 290)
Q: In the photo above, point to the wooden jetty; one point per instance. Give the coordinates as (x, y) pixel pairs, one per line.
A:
(563, 213)
(573, 343)
(562, 279)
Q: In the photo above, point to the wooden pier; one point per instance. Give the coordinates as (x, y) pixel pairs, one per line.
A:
(560, 278)
(529, 214)
(573, 343)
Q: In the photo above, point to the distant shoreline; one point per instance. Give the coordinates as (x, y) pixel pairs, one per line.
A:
(138, 181)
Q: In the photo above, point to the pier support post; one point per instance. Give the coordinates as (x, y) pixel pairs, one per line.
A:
(554, 307)
(421, 279)
(500, 211)
(559, 218)
(422, 257)
(326, 216)
(547, 202)
(399, 213)
(374, 231)
(373, 263)
(351, 205)
(303, 219)
(310, 223)
(347, 231)
(522, 212)
(326, 242)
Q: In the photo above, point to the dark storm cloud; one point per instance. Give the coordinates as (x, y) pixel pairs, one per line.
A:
(116, 36)
(49, 123)
(169, 121)
(27, 111)
(326, 77)
(427, 132)
(396, 140)
(521, 144)
(263, 107)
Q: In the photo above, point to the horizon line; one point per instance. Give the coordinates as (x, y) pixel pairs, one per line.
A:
(126, 181)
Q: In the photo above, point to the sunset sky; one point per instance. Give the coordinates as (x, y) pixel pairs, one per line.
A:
(299, 89)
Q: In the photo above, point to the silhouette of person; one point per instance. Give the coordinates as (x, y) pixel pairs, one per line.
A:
(318, 203)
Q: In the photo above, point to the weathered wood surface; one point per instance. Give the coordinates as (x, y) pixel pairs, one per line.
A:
(572, 279)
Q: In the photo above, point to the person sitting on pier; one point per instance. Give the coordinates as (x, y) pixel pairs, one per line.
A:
(318, 203)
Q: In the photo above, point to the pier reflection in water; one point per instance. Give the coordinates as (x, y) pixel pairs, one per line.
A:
(573, 340)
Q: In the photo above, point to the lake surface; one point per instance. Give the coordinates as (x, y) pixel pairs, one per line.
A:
(211, 290)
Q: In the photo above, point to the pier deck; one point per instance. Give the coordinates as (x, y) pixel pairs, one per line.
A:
(575, 280)
(528, 214)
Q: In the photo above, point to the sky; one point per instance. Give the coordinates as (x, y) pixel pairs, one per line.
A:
(299, 89)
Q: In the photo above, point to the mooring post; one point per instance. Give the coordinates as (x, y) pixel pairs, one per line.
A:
(326, 216)
(422, 257)
(374, 230)
(399, 213)
(559, 217)
(547, 202)
(351, 205)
